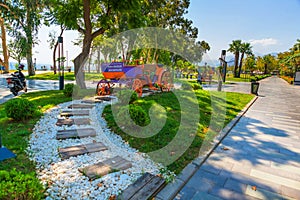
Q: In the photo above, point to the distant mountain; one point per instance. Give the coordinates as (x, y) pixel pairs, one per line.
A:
(261, 55)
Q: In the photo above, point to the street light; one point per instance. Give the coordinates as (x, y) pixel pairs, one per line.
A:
(61, 62)
(34, 64)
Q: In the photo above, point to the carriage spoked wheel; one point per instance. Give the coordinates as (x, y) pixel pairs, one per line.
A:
(137, 86)
(166, 82)
(103, 88)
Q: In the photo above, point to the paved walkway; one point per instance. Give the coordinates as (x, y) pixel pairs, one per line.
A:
(241, 87)
(260, 157)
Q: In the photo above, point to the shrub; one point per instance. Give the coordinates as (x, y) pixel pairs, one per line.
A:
(196, 86)
(258, 77)
(70, 89)
(136, 114)
(288, 79)
(124, 95)
(20, 109)
(16, 185)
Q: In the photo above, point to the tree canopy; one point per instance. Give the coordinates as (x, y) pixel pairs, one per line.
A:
(24, 19)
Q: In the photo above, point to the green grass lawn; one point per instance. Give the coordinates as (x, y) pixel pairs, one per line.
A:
(15, 136)
(229, 78)
(207, 128)
(67, 76)
(243, 78)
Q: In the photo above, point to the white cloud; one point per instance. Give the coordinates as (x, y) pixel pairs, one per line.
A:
(264, 42)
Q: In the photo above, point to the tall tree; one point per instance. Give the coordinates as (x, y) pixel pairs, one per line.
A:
(53, 42)
(235, 47)
(296, 46)
(4, 46)
(270, 63)
(245, 48)
(25, 19)
(250, 63)
(16, 50)
(205, 46)
(91, 18)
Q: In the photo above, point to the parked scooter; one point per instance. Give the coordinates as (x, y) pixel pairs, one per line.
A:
(17, 82)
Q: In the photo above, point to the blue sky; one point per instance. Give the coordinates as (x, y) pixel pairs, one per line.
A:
(270, 26)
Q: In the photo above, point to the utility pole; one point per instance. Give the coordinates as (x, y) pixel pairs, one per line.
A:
(4, 47)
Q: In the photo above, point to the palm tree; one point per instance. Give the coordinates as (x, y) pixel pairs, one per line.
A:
(205, 46)
(296, 46)
(267, 59)
(235, 48)
(246, 48)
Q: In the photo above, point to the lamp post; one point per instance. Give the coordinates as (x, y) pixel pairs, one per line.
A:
(34, 64)
(223, 63)
(61, 62)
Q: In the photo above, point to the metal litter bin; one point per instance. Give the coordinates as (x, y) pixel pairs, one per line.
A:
(254, 88)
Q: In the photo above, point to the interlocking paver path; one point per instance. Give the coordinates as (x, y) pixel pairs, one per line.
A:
(261, 158)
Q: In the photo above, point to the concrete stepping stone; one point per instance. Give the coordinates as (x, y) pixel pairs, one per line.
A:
(69, 113)
(77, 150)
(91, 101)
(104, 98)
(75, 133)
(81, 106)
(70, 122)
(145, 187)
(105, 167)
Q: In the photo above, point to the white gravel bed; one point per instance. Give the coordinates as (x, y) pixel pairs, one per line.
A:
(62, 178)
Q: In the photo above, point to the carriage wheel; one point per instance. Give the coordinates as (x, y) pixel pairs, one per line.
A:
(166, 82)
(103, 88)
(137, 86)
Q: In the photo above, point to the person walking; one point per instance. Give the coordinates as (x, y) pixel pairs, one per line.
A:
(199, 79)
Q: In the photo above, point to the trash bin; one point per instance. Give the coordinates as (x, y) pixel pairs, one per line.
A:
(254, 88)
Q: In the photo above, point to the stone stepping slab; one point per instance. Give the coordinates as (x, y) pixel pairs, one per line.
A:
(90, 101)
(103, 98)
(145, 187)
(67, 113)
(70, 122)
(95, 171)
(77, 150)
(81, 106)
(75, 133)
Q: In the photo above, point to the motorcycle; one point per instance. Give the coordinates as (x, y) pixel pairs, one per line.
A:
(17, 82)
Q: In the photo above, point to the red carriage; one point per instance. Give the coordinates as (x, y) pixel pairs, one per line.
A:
(153, 76)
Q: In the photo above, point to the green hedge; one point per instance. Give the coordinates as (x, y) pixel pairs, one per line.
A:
(20, 109)
(259, 77)
(16, 185)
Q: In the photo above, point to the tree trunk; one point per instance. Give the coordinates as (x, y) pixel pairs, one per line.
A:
(31, 70)
(79, 62)
(4, 46)
(28, 32)
(90, 60)
(81, 59)
(54, 58)
(54, 50)
(266, 66)
(98, 60)
(241, 64)
(236, 63)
